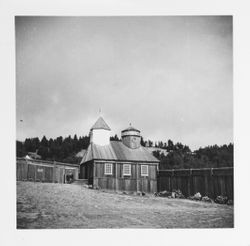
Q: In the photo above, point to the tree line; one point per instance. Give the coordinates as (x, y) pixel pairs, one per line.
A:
(58, 149)
(178, 155)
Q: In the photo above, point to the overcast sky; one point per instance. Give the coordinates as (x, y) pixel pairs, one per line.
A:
(171, 77)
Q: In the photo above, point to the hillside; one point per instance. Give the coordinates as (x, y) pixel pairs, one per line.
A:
(171, 155)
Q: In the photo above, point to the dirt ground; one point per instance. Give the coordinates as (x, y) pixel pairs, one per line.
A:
(44, 205)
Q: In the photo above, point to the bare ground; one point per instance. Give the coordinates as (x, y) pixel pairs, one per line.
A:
(44, 205)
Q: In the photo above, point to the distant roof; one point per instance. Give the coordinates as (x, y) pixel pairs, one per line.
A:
(100, 124)
(130, 128)
(81, 153)
(28, 157)
(117, 151)
(34, 155)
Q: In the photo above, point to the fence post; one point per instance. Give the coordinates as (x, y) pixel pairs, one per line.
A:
(54, 171)
(35, 172)
(64, 175)
(212, 183)
(189, 182)
(206, 184)
(27, 169)
(172, 180)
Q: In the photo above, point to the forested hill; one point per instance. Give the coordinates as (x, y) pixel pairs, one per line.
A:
(180, 156)
(58, 149)
(174, 156)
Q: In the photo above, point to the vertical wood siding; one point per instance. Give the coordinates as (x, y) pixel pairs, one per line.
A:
(131, 183)
(40, 171)
(209, 182)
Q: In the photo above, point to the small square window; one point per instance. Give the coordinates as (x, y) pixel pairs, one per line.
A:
(126, 169)
(144, 170)
(108, 169)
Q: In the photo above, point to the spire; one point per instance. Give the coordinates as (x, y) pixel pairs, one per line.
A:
(100, 132)
(100, 124)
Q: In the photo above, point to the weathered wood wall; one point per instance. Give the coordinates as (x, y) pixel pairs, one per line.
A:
(133, 183)
(210, 182)
(44, 171)
(86, 172)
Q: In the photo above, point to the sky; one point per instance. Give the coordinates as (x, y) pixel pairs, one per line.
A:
(171, 77)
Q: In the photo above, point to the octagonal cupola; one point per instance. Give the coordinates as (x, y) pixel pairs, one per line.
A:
(100, 132)
(131, 137)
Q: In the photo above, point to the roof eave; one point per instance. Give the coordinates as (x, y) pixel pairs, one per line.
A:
(140, 161)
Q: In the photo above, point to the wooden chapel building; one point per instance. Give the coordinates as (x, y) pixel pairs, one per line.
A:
(118, 165)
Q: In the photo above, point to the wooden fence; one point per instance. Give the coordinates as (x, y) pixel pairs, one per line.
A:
(210, 182)
(44, 171)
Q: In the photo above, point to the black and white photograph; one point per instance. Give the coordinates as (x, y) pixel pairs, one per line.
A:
(124, 122)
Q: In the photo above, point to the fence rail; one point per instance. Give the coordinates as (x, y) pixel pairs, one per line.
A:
(210, 182)
(47, 162)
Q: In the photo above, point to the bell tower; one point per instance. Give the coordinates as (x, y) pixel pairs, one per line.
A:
(100, 133)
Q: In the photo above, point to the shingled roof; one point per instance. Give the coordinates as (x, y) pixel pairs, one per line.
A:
(117, 151)
(130, 128)
(100, 124)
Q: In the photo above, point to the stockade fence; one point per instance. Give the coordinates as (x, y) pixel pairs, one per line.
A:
(210, 182)
(44, 171)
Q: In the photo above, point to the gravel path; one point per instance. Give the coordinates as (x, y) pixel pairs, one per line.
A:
(44, 205)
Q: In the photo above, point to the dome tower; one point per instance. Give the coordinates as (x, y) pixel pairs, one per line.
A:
(131, 137)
